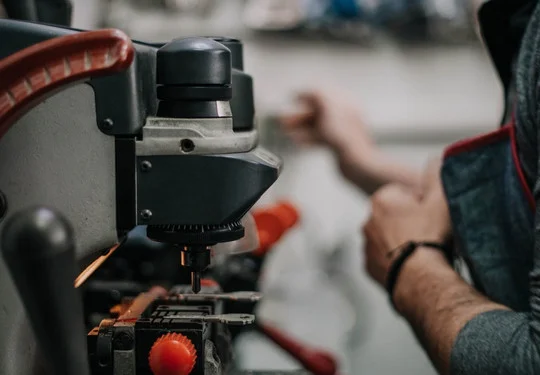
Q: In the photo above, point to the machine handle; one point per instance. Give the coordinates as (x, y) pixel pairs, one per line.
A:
(272, 223)
(315, 361)
(39, 250)
(37, 72)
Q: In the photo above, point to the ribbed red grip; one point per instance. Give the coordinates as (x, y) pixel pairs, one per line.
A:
(37, 72)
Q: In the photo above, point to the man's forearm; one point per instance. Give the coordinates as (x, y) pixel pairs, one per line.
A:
(437, 303)
(372, 170)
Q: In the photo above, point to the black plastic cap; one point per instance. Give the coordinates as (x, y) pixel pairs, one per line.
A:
(193, 62)
(237, 51)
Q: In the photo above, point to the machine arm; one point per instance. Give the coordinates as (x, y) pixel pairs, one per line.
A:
(31, 75)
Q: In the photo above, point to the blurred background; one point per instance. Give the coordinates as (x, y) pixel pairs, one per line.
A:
(421, 78)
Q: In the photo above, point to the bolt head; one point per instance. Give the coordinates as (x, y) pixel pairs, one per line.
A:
(146, 166)
(187, 145)
(107, 123)
(146, 214)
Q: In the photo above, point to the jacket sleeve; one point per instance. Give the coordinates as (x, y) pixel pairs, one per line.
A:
(499, 342)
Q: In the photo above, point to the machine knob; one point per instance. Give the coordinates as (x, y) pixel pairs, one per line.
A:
(193, 61)
(172, 354)
(242, 103)
(192, 75)
(273, 223)
(237, 51)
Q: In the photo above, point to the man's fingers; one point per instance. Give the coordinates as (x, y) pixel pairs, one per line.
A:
(312, 99)
(434, 198)
(297, 120)
(303, 136)
(366, 228)
(310, 103)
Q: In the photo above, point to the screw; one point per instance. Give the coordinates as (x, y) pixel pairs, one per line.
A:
(107, 123)
(146, 214)
(3, 205)
(146, 166)
(187, 145)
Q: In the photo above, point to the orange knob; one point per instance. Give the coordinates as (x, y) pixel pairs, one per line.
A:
(209, 283)
(172, 354)
(272, 223)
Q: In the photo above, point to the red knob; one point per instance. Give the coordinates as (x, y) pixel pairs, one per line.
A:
(172, 354)
(272, 223)
(209, 283)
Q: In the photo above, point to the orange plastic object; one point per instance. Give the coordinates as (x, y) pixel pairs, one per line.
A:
(119, 309)
(208, 283)
(272, 223)
(172, 354)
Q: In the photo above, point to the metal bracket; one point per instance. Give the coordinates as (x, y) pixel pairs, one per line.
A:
(172, 136)
(230, 319)
(234, 296)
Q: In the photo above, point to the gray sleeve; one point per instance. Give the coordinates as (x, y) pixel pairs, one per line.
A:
(497, 342)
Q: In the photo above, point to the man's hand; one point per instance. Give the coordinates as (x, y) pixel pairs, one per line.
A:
(433, 298)
(328, 118)
(400, 215)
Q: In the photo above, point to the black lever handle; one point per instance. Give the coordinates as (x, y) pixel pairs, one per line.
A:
(39, 250)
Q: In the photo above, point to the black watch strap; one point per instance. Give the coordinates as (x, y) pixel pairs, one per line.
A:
(405, 251)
